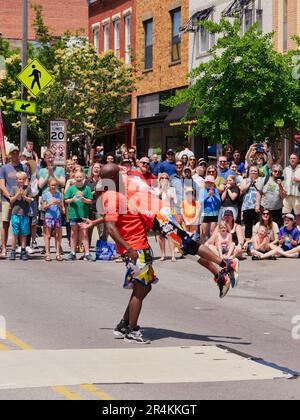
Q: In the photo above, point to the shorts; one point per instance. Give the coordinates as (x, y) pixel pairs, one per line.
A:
(291, 203)
(20, 225)
(6, 211)
(210, 219)
(52, 223)
(168, 227)
(75, 222)
(140, 270)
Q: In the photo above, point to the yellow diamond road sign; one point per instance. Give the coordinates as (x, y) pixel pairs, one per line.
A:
(35, 77)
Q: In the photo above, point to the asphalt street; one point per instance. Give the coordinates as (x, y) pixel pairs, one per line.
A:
(71, 306)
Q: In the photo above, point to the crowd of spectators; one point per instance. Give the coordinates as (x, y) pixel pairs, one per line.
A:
(234, 205)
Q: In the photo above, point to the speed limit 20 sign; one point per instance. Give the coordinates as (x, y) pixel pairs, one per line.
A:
(58, 140)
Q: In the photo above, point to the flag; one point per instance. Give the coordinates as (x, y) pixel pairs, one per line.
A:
(2, 142)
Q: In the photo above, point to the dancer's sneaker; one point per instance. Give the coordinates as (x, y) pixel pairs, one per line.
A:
(232, 269)
(223, 282)
(121, 328)
(135, 336)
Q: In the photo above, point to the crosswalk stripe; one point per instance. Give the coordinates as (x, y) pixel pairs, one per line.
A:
(96, 392)
(62, 390)
(68, 393)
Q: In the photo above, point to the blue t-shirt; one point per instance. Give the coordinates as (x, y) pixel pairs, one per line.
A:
(155, 168)
(225, 174)
(168, 168)
(8, 174)
(241, 168)
(53, 212)
(285, 233)
(210, 204)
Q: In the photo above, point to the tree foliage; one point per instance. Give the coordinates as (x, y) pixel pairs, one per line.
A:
(91, 91)
(246, 90)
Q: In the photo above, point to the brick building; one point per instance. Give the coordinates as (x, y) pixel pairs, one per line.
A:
(286, 23)
(162, 63)
(59, 15)
(112, 27)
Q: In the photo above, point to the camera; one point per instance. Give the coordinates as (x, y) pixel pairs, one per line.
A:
(260, 148)
(281, 178)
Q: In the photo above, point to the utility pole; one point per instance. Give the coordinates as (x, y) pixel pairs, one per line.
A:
(23, 138)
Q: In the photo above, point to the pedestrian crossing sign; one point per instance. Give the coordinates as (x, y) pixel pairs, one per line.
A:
(35, 77)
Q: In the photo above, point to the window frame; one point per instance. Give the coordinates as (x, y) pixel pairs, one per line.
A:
(127, 38)
(106, 37)
(175, 38)
(148, 49)
(117, 37)
(96, 39)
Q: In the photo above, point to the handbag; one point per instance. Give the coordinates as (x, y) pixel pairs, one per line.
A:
(105, 250)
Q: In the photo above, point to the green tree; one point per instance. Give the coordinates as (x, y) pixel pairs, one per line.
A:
(91, 91)
(246, 91)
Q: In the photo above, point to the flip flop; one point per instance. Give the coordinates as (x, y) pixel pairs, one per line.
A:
(3, 256)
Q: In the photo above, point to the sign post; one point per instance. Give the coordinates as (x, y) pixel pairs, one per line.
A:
(58, 141)
(23, 138)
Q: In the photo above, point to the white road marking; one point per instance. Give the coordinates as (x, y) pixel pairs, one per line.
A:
(44, 368)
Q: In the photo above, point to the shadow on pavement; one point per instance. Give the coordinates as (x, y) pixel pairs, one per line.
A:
(155, 334)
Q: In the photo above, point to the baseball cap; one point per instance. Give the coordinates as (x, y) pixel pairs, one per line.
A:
(202, 161)
(14, 149)
(209, 178)
(170, 152)
(26, 154)
(228, 213)
(289, 216)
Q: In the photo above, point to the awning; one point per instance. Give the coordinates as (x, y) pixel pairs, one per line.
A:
(175, 116)
(145, 122)
(235, 8)
(191, 24)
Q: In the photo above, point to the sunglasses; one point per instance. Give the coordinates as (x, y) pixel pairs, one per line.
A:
(211, 172)
(145, 163)
(164, 177)
(266, 214)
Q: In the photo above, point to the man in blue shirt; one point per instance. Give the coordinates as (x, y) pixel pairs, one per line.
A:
(155, 165)
(168, 166)
(223, 170)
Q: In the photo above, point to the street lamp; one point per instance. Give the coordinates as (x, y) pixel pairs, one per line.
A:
(23, 138)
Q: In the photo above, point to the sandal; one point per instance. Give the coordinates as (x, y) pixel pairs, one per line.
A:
(3, 256)
(58, 258)
(47, 258)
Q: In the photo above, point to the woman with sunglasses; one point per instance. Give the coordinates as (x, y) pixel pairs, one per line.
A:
(185, 161)
(164, 192)
(192, 164)
(265, 219)
(273, 194)
(219, 181)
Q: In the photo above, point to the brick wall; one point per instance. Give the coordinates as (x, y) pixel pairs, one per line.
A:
(293, 26)
(105, 10)
(59, 15)
(164, 75)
